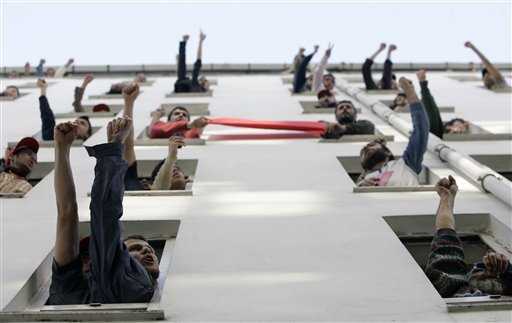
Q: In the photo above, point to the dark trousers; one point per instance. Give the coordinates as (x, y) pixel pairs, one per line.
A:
(387, 75)
(47, 118)
(299, 78)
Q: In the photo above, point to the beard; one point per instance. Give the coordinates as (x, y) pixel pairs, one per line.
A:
(346, 118)
(20, 170)
(374, 159)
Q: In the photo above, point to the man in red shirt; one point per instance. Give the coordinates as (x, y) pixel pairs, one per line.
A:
(178, 124)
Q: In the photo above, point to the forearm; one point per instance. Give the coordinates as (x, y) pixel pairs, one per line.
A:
(47, 118)
(434, 116)
(163, 178)
(417, 145)
(444, 217)
(66, 242)
(78, 95)
(319, 72)
(200, 50)
(129, 144)
(375, 54)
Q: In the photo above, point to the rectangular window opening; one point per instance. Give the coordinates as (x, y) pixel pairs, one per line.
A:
(442, 109)
(353, 168)
(189, 94)
(88, 112)
(29, 302)
(50, 143)
(477, 133)
(474, 230)
(8, 98)
(40, 171)
(195, 109)
(312, 107)
(32, 85)
(143, 140)
(105, 95)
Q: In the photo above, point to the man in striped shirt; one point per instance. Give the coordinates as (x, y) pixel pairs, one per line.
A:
(18, 164)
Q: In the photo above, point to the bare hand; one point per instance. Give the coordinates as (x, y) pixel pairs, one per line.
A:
(495, 263)
(315, 49)
(468, 44)
(406, 84)
(70, 61)
(185, 38)
(130, 93)
(202, 36)
(382, 46)
(329, 50)
(422, 75)
(447, 187)
(119, 129)
(372, 181)
(158, 113)
(392, 47)
(200, 122)
(175, 142)
(42, 61)
(87, 79)
(41, 84)
(64, 134)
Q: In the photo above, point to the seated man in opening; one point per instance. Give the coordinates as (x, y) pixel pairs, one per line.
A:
(446, 267)
(326, 99)
(118, 271)
(347, 123)
(11, 92)
(117, 88)
(437, 127)
(83, 125)
(380, 168)
(178, 124)
(184, 84)
(388, 80)
(300, 81)
(17, 165)
(297, 60)
(324, 82)
(166, 175)
(491, 76)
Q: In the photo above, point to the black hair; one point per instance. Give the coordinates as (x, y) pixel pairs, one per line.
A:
(178, 108)
(135, 237)
(323, 93)
(89, 131)
(330, 75)
(393, 77)
(14, 87)
(451, 122)
(484, 71)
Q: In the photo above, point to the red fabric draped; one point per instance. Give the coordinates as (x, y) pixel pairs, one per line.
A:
(306, 126)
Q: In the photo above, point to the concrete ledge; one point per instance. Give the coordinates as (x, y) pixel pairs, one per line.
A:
(189, 94)
(309, 107)
(394, 189)
(8, 98)
(109, 96)
(359, 138)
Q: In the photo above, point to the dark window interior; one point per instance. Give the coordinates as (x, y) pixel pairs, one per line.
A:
(419, 248)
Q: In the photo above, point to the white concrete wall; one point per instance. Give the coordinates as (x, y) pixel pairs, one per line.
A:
(273, 231)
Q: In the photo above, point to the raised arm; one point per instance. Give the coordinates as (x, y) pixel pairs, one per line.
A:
(417, 145)
(382, 46)
(61, 71)
(130, 94)
(446, 189)
(79, 93)
(182, 58)
(40, 68)
(487, 63)
(163, 178)
(67, 238)
(47, 116)
(202, 37)
(430, 105)
(320, 69)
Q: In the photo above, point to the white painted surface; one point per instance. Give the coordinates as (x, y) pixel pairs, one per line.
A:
(273, 231)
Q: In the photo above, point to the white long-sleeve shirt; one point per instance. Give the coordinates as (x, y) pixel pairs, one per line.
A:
(318, 75)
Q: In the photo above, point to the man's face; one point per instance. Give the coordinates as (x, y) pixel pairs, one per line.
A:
(24, 161)
(203, 81)
(50, 72)
(178, 179)
(82, 128)
(345, 113)
(328, 81)
(489, 81)
(327, 100)
(400, 101)
(145, 254)
(11, 92)
(373, 154)
(140, 78)
(458, 127)
(179, 115)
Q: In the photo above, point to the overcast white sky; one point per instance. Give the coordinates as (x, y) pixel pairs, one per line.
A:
(136, 32)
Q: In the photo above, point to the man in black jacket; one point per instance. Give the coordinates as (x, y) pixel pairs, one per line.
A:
(347, 123)
(196, 84)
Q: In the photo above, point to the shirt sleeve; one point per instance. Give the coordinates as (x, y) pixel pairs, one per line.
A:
(319, 73)
(162, 129)
(417, 145)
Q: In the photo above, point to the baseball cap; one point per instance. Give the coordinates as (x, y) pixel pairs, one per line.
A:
(26, 143)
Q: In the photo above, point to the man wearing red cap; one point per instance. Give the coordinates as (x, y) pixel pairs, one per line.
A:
(19, 162)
